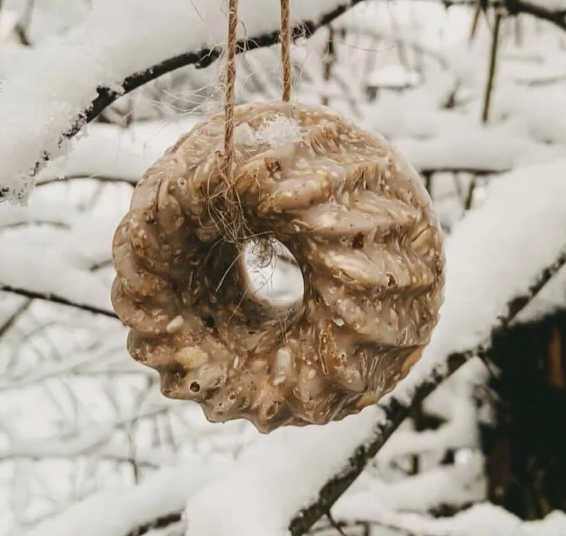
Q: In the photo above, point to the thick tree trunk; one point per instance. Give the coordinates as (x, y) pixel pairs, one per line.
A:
(526, 446)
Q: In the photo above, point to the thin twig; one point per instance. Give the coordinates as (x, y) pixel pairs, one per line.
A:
(470, 194)
(57, 299)
(159, 523)
(335, 524)
(11, 320)
(86, 176)
(492, 66)
(475, 21)
(329, 61)
(22, 28)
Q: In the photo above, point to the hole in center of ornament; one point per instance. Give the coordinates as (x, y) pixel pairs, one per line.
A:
(272, 275)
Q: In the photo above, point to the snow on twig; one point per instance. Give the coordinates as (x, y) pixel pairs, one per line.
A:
(45, 212)
(553, 11)
(106, 152)
(56, 279)
(480, 519)
(64, 275)
(477, 151)
(116, 49)
(115, 512)
(77, 361)
(86, 440)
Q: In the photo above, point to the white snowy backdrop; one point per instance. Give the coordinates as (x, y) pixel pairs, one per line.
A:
(475, 98)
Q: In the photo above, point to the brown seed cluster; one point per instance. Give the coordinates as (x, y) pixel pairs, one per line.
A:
(360, 225)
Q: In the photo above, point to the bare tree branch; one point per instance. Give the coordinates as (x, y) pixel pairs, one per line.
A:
(492, 66)
(11, 320)
(57, 299)
(159, 523)
(99, 178)
(556, 17)
(87, 440)
(397, 411)
(200, 59)
(516, 7)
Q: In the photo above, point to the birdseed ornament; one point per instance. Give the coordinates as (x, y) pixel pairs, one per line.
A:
(351, 211)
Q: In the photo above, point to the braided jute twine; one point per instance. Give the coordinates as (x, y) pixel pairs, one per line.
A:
(230, 75)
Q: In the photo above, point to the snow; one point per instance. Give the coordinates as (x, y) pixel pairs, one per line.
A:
(115, 512)
(458, 432)
(116, 155)
(8, 21)
(393, 76)
(436, 139)
(274, 478)
(534, 112)
(481, 519)
(44, 212)
(98, 358)
(496, 251)
(549, 300)
(105, 152)
(114, 41)
(79, 442)
(475, 150)
(279, 131)
(9, 305)
(97, 232)
(455, 485)
(52, 276)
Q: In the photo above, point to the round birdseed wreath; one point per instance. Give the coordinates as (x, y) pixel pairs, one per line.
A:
(358, 221)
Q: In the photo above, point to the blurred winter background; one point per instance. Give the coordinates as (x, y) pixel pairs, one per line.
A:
(469, 91)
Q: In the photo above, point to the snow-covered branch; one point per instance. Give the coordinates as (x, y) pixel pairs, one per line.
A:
(539, 9)
(485, 253)
(550, 11)
(118, 48)
(55, 280)
(65, 274)
(475, 521)
(114, 513)
(81, 442)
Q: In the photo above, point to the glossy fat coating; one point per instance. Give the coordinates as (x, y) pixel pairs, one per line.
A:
(358, 221)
